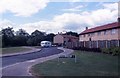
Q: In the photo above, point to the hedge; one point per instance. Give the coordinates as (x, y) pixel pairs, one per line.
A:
(112, 50)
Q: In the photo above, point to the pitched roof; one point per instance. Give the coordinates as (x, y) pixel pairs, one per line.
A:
(100, 28)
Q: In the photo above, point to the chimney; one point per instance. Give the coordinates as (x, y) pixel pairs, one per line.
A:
(118, 19)
(86, 28)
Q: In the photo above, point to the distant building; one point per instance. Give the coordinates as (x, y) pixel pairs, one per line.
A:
(67, 41)
(101, 37)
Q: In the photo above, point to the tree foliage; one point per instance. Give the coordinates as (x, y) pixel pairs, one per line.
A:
(35, 38)
(7, 37)
(50, 37)
(22, 38)
(21, 32)
(72, 33)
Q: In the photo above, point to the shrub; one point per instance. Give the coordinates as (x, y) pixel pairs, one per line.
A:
(105, 50)
(76, 48)
(87, 49)
(96, 49)
(113, 50)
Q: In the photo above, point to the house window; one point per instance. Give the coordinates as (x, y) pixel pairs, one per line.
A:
(105, 32)
(89, 39)
(69, 40)
(113, 31)
(64, 43)
(99, 33)
(92, 34)
(84, 35)
(88, 35)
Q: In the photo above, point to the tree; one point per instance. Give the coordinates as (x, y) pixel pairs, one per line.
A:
(21, 32)
(30, 41)
(7, 37)
(20, 41)
(72, 33)
(36, 37)
(38, 33)
(8, 32)
(50, 37)
(21, 38)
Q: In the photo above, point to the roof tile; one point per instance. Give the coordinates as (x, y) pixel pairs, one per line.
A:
(100, 28)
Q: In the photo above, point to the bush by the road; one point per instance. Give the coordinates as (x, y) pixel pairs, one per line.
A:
(113, 51)
(87, 49)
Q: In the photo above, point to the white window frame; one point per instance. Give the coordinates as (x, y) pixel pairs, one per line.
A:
(113, 31)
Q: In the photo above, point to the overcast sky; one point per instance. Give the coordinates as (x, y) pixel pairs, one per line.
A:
(57, 16)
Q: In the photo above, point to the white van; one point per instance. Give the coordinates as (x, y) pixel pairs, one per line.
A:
(46, 44)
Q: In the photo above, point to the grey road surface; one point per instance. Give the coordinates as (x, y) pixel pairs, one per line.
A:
(9, 60)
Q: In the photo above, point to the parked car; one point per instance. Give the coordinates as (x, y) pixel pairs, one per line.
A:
(45, 44)
(54, 45)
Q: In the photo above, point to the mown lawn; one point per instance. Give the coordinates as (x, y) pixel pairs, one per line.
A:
(88, 64)
(14, 50)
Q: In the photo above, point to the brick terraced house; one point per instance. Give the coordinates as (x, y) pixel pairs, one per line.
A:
(67, 41)
(105, 36)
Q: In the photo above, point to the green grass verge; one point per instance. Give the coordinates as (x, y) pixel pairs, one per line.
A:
(88, 64)
(9, 50)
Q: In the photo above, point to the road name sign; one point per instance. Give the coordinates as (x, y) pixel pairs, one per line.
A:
(68, 56)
